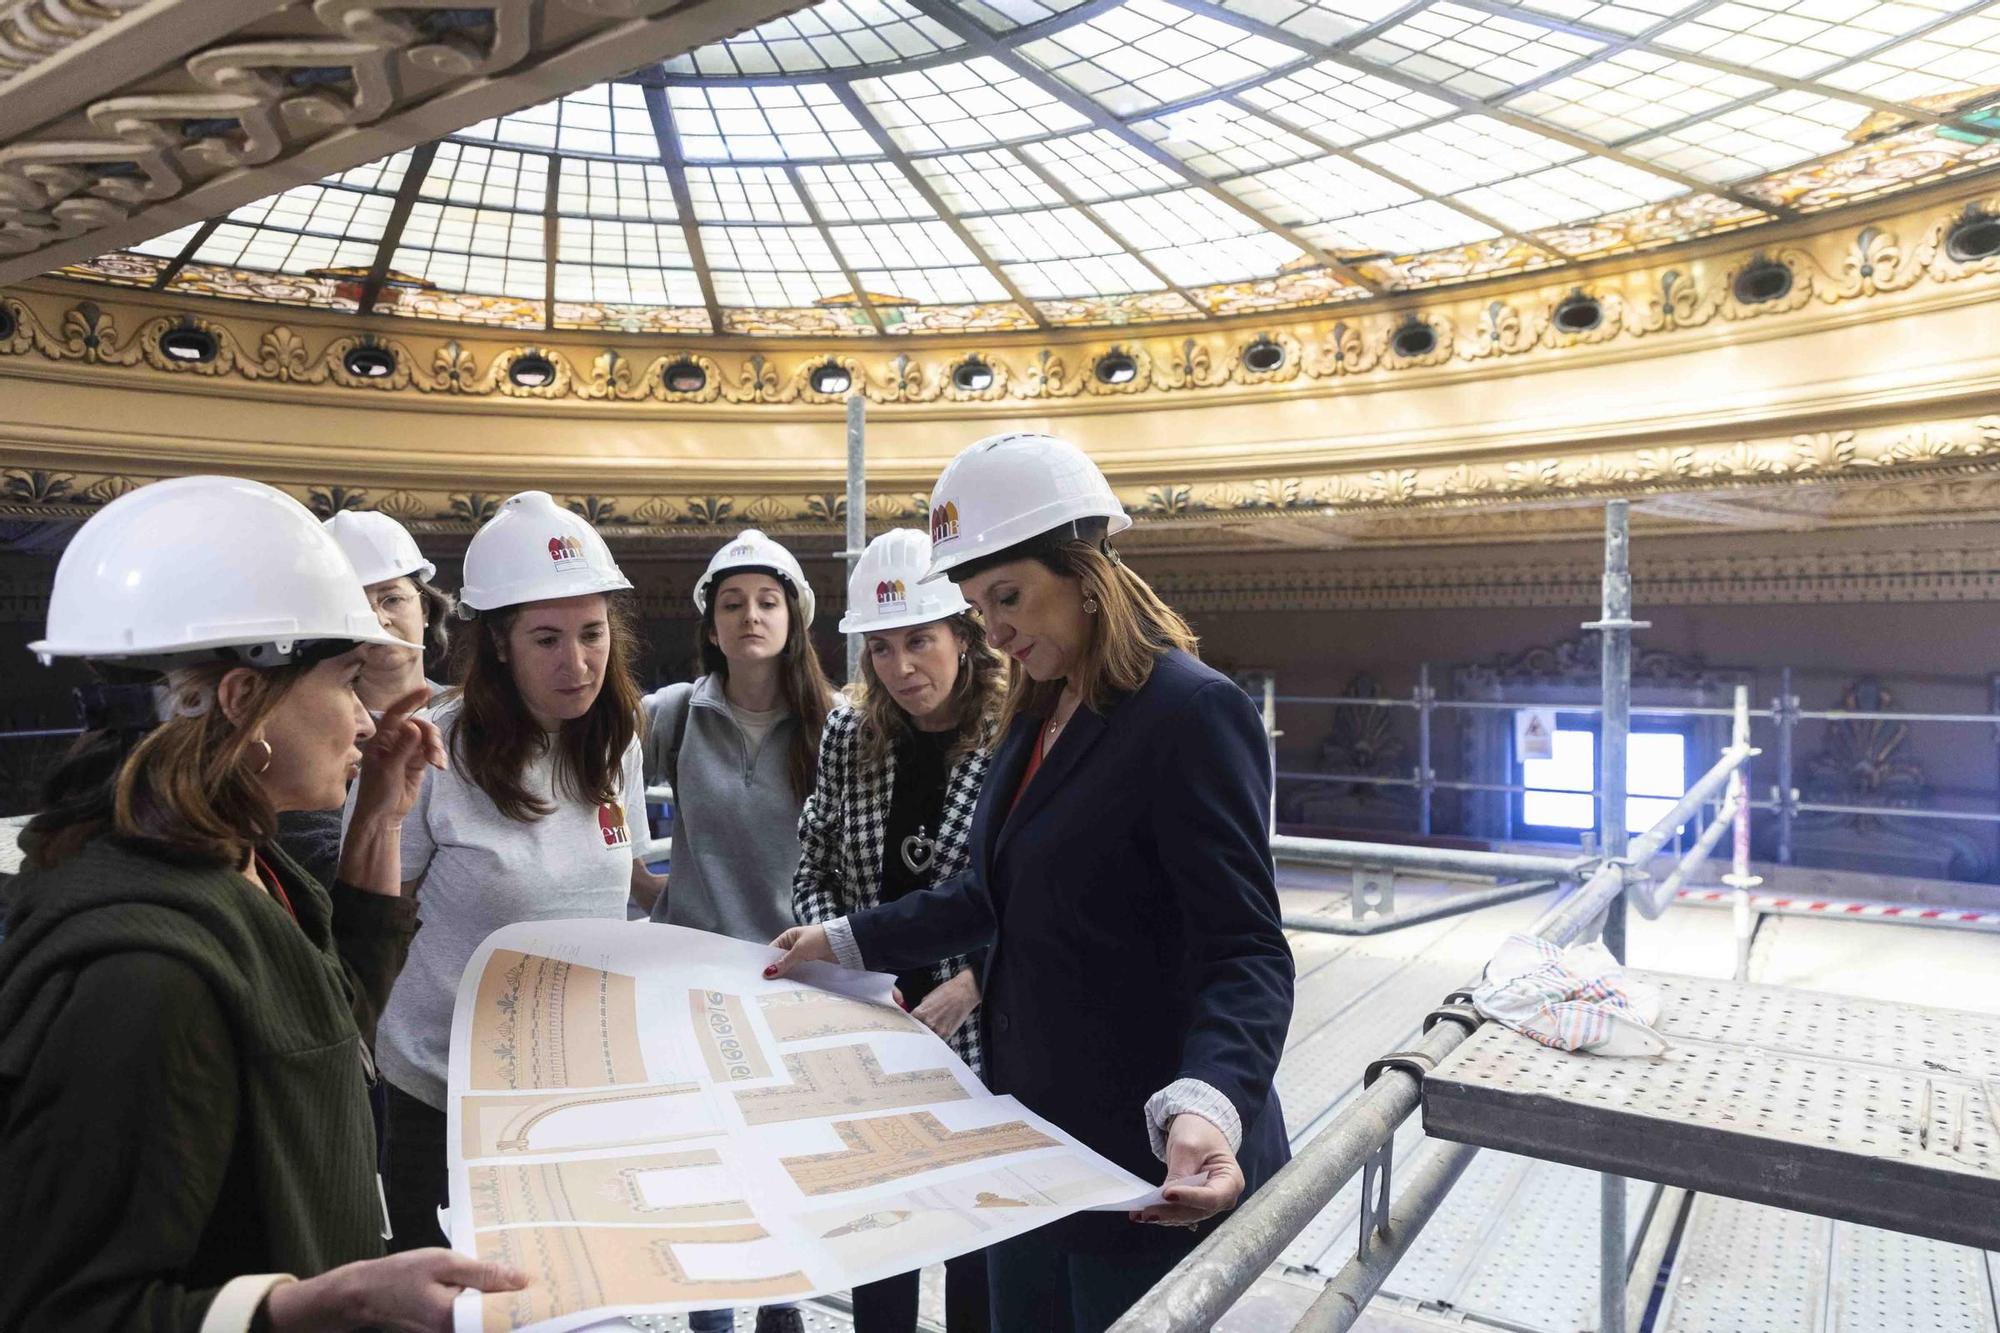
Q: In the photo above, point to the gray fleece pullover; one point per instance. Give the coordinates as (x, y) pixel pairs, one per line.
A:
(736, 820)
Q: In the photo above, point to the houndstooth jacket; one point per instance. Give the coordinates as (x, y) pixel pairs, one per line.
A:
(844, 825)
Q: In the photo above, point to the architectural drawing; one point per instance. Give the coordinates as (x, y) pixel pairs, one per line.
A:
(722, 1029)
(804, 1015)
(596, 1147)
(894, 1147)
(493, 1126)
(584, 1268)
(543, 1023)
(602, 1189)
(968, 1211)
(843, 1080)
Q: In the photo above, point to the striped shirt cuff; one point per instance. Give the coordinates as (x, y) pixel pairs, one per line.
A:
(840, 938)
(236, 1305)
(1191, 1096)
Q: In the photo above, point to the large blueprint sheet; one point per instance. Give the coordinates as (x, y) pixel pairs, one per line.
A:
(645, 1125)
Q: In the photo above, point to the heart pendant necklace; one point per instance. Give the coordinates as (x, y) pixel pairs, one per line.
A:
(917, 851)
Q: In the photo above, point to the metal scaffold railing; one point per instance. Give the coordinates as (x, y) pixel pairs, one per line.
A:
(1210, 1280)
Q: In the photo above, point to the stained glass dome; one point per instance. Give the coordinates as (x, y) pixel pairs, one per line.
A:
(883, 167)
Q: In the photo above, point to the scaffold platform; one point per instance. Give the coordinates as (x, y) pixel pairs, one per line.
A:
(1860, 1110)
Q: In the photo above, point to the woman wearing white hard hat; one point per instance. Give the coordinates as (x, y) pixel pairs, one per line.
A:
(540, 816)
(900, 770)
(740, 747)
(184, 1125)
(397, 580)
(1137, 984)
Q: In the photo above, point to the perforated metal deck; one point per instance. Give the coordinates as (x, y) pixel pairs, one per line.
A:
(1854, 1109)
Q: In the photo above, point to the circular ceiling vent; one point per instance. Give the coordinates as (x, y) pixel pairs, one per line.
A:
(1414, 339)
(1577, 313)
(1116, 368)
(1973, 237)
(368, 362)
(684, 376)
(189, 345)
(1762, 280)
(1263, 356)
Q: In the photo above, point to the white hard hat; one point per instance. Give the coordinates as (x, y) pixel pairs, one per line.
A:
(380, 547)
(1005, 489)
(885, 590)
(534, 550)
(751, 549)
(172, 572)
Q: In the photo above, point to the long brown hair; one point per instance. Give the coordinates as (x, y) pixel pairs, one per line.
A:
(184, 791)
(1129, 632)
(976, 698)
(802, 683)
(495, 737)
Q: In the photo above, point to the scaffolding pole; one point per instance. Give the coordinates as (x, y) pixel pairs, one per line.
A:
(857, 511)
(1615, 624)
(1426, 775)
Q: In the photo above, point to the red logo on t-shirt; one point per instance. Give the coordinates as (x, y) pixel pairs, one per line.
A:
(611, 823)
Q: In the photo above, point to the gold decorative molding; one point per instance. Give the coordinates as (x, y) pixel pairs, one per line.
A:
(1965, 572)
(1939, 467)
(150, 116)
(1831, 274)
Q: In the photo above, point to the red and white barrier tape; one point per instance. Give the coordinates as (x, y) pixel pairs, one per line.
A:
(1835, 907)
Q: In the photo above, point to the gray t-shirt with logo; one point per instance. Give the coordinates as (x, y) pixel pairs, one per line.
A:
(482, 871)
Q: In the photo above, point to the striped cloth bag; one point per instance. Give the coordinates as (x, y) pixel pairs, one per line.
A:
(1574, 1000)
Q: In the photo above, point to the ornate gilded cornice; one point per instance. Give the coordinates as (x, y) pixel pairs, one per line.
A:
(1939, 468)
(1897, 573)
(1842, 272)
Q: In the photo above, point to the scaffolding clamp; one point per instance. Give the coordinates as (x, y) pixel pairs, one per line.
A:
(1414, 1063)
(1462, 1014)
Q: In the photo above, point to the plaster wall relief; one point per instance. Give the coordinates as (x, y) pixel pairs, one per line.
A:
(238, 101)
(1867, 762)
(1791, 279)
(1889, 468)
(1363, 741)
(1884, 475)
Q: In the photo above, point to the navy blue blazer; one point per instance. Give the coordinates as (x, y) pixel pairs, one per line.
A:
(1130, 919)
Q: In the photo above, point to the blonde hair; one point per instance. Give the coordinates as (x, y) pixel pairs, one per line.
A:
(1132, 627)
(976, 696)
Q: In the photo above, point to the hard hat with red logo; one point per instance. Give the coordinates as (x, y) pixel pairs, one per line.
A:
(534, 550)
(380, 547)
(199, 568)
(886, 589)
(1009, 489)
(751, 552)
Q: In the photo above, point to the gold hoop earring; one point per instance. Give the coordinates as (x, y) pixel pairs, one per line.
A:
(1089, 605)
(264, 767)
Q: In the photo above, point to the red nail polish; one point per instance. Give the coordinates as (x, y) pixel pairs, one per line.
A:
(771, 971)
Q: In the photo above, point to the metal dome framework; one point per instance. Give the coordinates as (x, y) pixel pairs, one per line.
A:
(882, 167)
